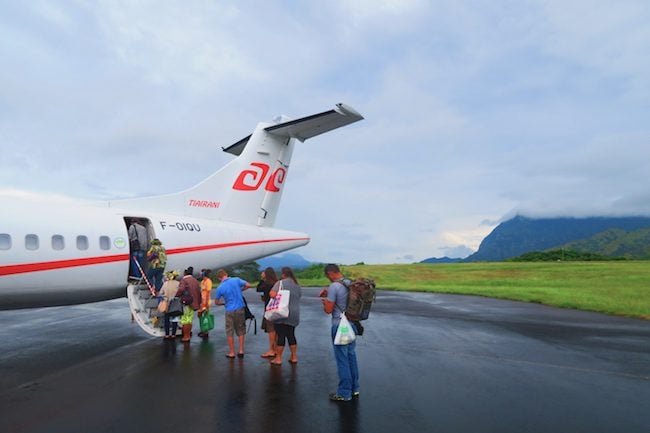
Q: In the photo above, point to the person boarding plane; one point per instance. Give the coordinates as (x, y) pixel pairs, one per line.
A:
(63, 252)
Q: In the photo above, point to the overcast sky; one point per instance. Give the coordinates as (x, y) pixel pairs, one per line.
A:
(474, 110)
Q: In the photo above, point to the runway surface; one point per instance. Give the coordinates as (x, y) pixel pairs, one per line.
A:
(429, 363)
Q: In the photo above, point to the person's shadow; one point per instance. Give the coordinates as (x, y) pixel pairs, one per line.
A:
(349, 416)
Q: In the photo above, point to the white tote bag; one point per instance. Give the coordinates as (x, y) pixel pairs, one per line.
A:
(344, 333)
(278, 307)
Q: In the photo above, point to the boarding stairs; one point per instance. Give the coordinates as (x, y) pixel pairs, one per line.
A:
(144, 309)
(144, 304)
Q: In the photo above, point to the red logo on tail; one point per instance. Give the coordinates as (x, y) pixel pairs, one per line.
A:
(276, 180)
(250, 180)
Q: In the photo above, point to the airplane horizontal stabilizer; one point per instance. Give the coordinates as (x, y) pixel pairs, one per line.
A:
(311, 126)
(237, 148)
(306, 127)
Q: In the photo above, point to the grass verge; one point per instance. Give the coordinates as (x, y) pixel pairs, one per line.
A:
(616, 287)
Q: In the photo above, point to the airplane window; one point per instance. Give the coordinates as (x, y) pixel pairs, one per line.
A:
(104, 242)
(58, 242)
(31, 242)
(5, 241)
(82, 242)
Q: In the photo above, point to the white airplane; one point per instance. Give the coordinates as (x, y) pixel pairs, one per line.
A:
(64, 252)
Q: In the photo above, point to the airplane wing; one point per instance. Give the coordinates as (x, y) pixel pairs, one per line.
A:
(316, 124)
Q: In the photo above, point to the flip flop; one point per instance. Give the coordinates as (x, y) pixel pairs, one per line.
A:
(230, 356)
(240, 355)
(293, 362)
(276, 363)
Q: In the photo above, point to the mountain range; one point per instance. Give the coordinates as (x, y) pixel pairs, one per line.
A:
(609, 236)
(293, 260)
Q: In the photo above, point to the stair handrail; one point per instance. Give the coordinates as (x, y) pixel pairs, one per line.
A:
(146, 280)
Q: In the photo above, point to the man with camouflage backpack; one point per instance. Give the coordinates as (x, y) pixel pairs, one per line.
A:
(335, 301)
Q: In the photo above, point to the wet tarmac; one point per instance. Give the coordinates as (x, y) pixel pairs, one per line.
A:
(430, 363)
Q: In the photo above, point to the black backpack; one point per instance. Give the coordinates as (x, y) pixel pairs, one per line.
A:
(248, 315)
(186, 297)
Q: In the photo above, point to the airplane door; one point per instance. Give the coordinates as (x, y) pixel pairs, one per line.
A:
(142, 300)
(140, 232)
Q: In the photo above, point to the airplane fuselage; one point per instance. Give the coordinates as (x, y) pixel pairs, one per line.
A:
(72, 252)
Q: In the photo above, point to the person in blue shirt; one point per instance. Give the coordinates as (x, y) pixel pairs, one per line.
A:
(229, 293)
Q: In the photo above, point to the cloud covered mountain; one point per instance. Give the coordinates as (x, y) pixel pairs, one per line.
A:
(521, 234)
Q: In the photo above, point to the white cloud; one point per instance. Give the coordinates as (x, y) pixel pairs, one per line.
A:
(178, 44)
(473, 110)
(606, 37)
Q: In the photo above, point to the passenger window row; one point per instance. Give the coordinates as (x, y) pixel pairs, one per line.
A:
(32, 242)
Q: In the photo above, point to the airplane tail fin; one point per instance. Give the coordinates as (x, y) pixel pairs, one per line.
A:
(248, 189)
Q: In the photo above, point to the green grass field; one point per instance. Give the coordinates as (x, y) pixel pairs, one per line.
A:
(616, 287)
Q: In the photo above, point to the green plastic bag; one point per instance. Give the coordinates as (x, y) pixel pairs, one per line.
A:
(206, 321)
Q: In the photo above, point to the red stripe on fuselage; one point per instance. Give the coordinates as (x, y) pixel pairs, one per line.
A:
(87, 261)
(60, 264)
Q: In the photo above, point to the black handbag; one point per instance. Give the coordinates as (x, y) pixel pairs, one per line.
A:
(175, 307)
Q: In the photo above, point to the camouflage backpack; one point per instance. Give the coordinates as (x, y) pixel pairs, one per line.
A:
(361, 295)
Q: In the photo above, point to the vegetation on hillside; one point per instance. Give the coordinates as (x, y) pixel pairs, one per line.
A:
(616, 243)
(612, 244)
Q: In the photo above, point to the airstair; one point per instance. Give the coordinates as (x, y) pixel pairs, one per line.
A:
(144, 309)
(144, 304)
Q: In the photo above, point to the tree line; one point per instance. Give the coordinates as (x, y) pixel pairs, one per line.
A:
(561, 255)
(251, 272)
